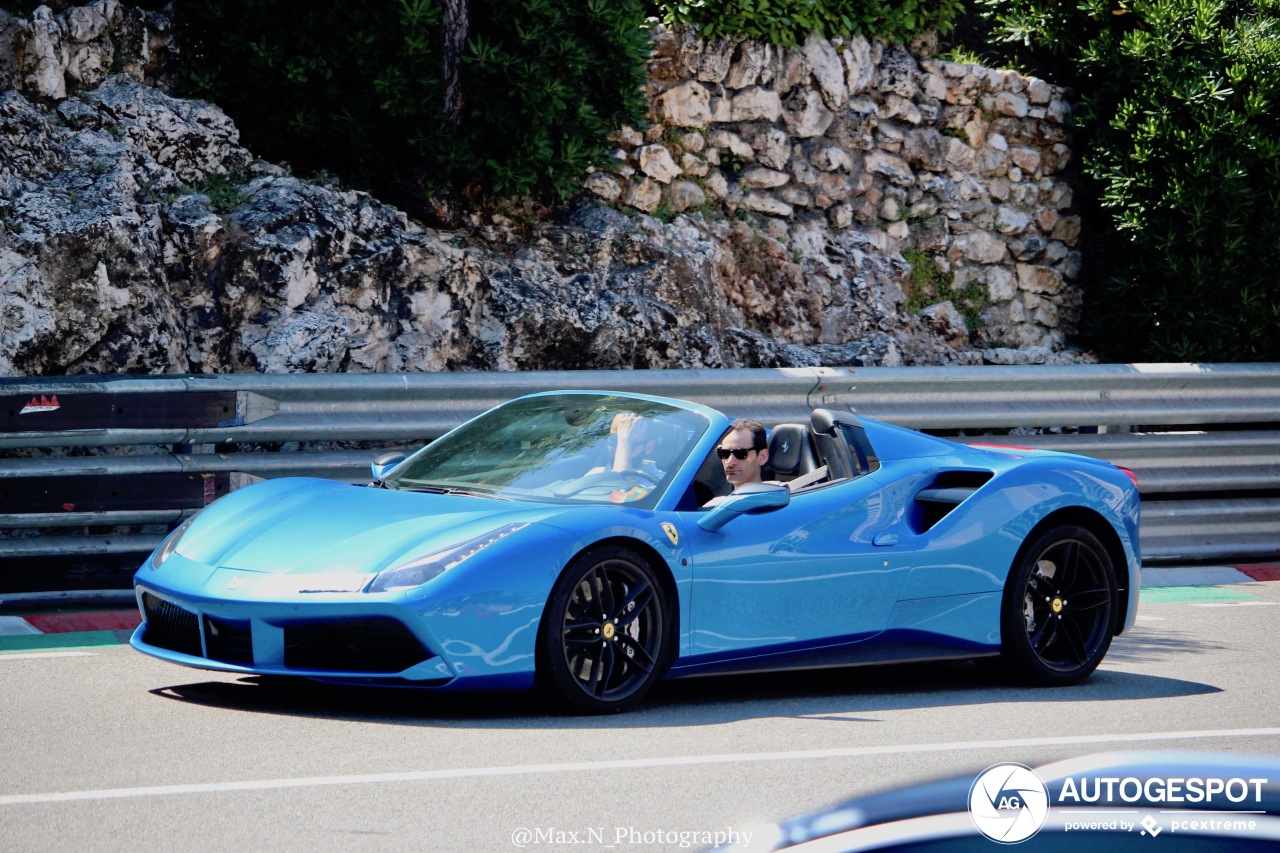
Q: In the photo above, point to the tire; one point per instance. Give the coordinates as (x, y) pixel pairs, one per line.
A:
(605, 638)
(1058, 611)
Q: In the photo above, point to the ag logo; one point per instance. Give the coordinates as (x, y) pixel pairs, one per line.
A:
(1008, 803)
(672, 533)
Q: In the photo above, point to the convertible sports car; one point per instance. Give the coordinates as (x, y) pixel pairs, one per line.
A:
(527, 547)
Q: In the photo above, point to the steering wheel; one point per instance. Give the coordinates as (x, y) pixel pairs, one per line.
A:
(636, 472)
(613, 479)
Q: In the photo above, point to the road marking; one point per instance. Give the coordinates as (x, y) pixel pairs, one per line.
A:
(25, 655)
(1237, 604)
(39, 642)
(1193, 595)
(614, 766)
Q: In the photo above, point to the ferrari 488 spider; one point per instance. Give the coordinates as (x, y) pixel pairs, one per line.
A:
(524, 547)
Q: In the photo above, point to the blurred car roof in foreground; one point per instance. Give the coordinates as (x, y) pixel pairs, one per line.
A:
(934, 816)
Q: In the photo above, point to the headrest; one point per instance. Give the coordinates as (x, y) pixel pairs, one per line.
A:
(787, 445)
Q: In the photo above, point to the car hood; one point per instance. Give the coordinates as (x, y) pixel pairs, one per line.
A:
(319, 526)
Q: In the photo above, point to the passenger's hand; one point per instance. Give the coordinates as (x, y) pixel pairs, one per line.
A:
(623, 424)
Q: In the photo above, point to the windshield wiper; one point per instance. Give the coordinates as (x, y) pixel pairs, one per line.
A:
(453, 490)
(475, 493)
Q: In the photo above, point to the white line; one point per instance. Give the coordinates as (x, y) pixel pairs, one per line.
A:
(614, 766)
(19, 655)
(1236, 604)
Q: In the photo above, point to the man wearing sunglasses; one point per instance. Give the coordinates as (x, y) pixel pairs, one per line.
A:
(743, 452)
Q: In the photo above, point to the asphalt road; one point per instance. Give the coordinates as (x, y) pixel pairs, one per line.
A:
(102, 748)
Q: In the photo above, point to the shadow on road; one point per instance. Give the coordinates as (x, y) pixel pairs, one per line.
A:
(858, 694)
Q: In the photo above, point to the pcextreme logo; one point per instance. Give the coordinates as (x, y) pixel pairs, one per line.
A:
(1008, 803)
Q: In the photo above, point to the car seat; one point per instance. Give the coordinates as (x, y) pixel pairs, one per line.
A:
(790, 453)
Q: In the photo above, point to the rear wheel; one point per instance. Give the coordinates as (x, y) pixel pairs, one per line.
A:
(1058, 608)
(604, 640)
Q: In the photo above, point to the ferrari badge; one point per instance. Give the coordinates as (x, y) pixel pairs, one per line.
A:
(672, 533)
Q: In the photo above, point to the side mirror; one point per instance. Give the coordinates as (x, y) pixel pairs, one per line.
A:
(756, 497)
(384, 463)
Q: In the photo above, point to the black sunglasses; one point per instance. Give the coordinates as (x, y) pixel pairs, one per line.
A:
(738, 452)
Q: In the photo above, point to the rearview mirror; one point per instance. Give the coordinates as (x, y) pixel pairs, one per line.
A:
(384, 463)
(755, 497)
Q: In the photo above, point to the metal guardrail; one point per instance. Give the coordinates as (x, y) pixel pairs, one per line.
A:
(1204, 440)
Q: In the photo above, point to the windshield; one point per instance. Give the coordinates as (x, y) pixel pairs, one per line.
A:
(562, 448)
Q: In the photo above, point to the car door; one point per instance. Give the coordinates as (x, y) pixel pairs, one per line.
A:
(799, 582)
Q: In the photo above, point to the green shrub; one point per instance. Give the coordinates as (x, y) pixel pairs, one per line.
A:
(549, 80)
(354, 87)
(786, 22)
(930, 284)
(1178, 124)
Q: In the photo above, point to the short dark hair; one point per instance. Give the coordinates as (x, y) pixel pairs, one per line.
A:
(759, 438)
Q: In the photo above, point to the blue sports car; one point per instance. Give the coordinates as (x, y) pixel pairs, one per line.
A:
(590, 543)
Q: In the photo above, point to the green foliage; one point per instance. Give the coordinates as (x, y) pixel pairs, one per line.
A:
(354, 87)
(930, 284)
(224, 191)
(786, 22)
(320, 84)
(548, 81)
(1179, 112)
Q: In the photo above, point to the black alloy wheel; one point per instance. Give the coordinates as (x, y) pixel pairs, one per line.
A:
(1058, 612)
(604, 638)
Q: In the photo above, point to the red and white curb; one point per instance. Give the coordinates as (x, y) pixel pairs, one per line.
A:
(1210, 575)
(65, 623)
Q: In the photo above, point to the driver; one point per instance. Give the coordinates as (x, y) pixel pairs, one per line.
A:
(743, 452)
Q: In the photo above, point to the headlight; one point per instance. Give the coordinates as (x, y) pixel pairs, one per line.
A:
(433, 565)
(169, 545)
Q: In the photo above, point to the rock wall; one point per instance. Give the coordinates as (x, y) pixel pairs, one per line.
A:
(958, 162)
(51, 56)
(138, 235)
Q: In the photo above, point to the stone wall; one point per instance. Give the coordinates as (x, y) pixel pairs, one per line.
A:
(959, 163)
(138, 235)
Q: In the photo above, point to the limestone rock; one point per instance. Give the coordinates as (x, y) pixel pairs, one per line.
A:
(827, 70)
(806, 114)
(948, 321)
(684, 195)
(756, 104)
(686, 105)
(758, 177)
(656, 162)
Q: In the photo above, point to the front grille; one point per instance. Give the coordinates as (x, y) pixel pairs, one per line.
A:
(170, 627)
(228, 640)
(352, 645)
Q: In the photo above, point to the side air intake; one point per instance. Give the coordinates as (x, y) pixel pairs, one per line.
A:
(947, 491)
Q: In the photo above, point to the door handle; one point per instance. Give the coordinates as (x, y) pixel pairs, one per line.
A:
(885, 539)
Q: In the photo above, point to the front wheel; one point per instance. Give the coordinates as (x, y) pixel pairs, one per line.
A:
(1058, 609)
(604, 640)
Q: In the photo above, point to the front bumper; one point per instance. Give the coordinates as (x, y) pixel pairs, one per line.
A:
(334, 642)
